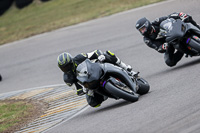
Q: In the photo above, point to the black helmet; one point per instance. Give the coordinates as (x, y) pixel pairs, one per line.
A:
(144, 26)
(65, 62)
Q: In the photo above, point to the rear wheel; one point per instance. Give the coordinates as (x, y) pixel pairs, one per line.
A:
(121, 92)
(194, 42)
(143, 86)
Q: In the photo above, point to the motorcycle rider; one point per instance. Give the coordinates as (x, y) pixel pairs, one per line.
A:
(150, 32)
(68, 65)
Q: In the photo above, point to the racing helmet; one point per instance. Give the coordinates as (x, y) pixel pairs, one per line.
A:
(144, 26)
(65, 62)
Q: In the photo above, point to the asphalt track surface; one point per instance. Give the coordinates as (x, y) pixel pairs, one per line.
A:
(173, 104)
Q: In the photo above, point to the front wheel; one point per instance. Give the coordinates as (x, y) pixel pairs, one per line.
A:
(143, 86)
(120, 93)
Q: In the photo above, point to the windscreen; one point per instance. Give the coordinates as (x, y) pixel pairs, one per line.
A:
(88, 71)
(167, 24)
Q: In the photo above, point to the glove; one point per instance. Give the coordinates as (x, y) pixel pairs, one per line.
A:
(161, 50)
(69, 84)
(80, 92)
(183, 16)
(165, 46)
(101, 58)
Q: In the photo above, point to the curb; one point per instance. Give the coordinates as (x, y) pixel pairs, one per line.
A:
(63, 105)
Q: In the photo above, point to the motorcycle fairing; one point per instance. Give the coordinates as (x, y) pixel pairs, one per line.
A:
(175, 29)
(178, 30)
(116, 71)
(88, 72)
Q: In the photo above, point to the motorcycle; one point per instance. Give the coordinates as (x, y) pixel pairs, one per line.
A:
(184, 37)
(112, 81)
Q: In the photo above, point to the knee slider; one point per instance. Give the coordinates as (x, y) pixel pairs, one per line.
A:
(170, 63)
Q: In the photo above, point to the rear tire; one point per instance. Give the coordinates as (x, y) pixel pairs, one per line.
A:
(195, 43)
(143, 85)
(121, 93)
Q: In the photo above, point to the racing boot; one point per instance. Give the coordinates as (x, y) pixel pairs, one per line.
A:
(126, 67)
(123, 65)
(112, 58)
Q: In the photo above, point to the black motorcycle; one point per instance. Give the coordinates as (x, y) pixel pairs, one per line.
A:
(112, 81)
(183, 36)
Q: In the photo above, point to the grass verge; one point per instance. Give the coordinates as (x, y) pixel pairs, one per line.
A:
(40, 17)
(15, 114)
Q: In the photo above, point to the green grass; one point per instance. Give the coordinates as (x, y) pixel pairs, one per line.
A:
(11, 113)
(40, 17)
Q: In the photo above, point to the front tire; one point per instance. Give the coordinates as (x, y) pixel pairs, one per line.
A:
(115, 91)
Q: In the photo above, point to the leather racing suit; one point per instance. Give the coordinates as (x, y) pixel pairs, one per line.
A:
(171, 56)
(93, 98)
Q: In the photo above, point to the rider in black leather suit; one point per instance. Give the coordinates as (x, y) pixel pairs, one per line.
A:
(68, 65)
(150, 32)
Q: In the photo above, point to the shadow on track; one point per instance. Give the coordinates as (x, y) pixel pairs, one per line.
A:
(110, 107)
(186, 65)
